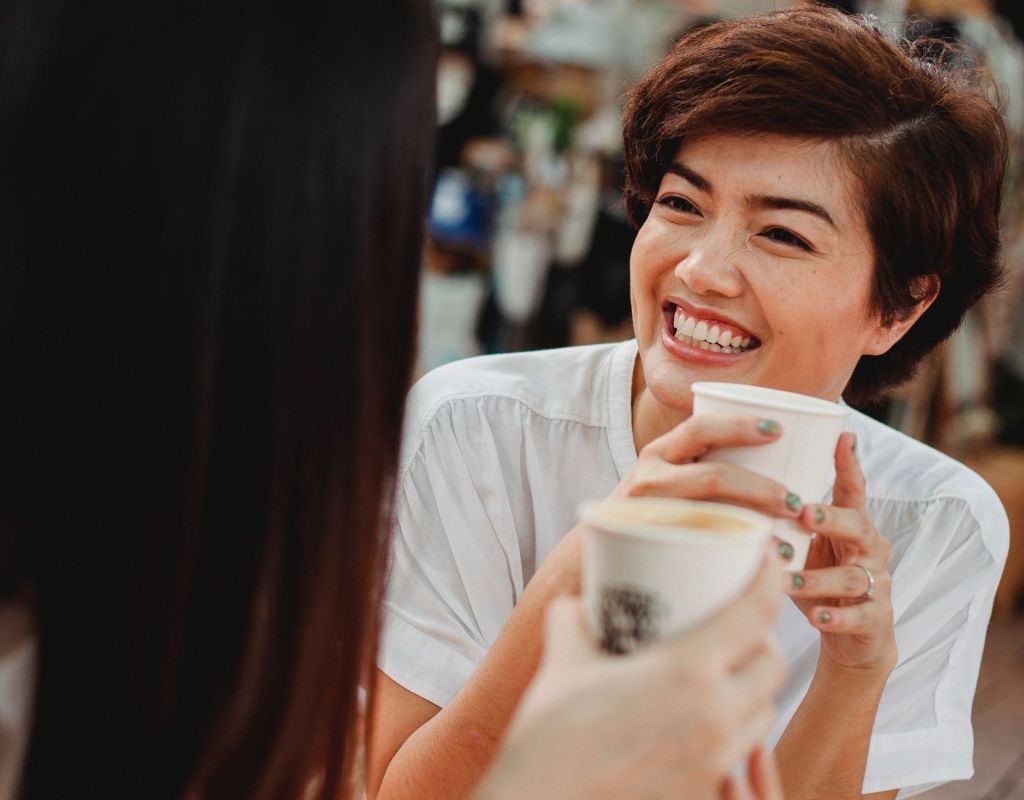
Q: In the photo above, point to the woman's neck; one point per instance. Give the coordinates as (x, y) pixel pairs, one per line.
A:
(650, 418)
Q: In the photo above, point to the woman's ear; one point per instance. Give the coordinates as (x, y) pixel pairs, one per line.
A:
(925, 289)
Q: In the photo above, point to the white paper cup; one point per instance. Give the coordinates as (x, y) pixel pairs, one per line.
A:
(802, 459)
(653, 568)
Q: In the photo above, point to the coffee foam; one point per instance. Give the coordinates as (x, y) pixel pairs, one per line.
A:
(661, 518)
(659, 515)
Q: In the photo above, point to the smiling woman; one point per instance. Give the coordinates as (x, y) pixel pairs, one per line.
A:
(817, 208)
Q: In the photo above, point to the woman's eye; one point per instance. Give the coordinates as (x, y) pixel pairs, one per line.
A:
(677, 203)
(782, 236)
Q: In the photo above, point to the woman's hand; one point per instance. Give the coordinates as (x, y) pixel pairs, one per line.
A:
(670, 720)
(669, 466)
(853, 612)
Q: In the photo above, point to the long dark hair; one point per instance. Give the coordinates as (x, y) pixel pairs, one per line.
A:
(210, 219)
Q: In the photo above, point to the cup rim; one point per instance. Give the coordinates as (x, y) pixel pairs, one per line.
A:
(588, 513)
(762, 396)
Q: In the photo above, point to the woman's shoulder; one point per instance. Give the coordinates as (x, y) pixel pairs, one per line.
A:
(906, 476)
(561, 383)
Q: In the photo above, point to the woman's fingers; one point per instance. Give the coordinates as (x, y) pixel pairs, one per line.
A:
(724, 483)
(670, 466)
(861, 619)
(849, 582)
(692, 439)
(850, 526)
(849, 489)
(765, 781)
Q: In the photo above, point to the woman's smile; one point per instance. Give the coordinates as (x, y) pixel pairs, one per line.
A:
(717, 340)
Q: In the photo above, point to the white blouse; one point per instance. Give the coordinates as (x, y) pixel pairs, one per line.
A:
(499, 451)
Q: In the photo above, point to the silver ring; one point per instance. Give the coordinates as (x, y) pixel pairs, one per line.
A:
(871, 582)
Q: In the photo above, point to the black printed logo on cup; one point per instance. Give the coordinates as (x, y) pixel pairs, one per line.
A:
(630, 618)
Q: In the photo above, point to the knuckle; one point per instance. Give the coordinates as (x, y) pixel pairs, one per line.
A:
(646, 481)
(641, 486)
(650, 451)
(708, 480)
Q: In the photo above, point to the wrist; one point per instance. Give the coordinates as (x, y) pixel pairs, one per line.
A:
(861, 676)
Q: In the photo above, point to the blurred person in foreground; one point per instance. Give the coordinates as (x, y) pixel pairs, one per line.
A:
(818, 206)
(210, 226)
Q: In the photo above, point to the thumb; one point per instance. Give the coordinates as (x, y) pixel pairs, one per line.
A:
(566, 639)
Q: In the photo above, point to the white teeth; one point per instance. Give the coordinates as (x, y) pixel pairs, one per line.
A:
(712, 337)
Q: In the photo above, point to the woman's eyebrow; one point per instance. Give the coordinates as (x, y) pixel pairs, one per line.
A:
(688, 174)
(760, 201)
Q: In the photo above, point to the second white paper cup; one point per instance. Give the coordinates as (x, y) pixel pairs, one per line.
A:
(802, 459)
(650, 571)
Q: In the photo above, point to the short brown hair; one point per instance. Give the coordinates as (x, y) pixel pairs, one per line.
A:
(910, 119)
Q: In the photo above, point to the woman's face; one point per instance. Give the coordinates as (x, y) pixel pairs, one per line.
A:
(755, 243)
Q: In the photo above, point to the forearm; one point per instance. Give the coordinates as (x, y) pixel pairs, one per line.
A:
(448, 756)
(824, 749)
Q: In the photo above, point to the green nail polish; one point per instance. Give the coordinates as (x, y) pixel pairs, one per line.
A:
(768, 427)
(798, 581)
(785, 550)
(793, 501)
(824, 617)
(819, 515)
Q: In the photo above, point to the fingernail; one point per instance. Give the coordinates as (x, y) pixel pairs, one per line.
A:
(768, 427)
(785, 550)
(798, 581)
(853, 442)
(824, 617)
(819, 515)
(793, 501)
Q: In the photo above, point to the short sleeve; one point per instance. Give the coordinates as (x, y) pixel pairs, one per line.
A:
(455, 570)
(949, 554)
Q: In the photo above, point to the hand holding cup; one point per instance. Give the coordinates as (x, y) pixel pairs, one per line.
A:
(800, 457)
(669, 721)
(845, 586)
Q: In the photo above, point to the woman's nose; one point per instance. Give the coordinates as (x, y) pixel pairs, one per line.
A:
(711, 265)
